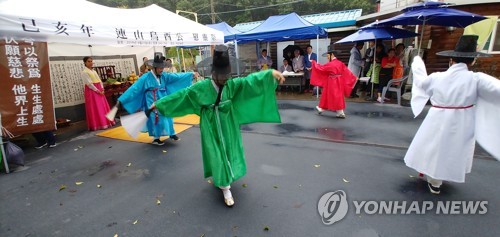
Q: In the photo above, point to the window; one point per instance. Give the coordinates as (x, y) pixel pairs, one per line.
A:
(492, 45)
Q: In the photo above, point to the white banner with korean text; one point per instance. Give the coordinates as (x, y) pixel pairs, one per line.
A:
(83, 22)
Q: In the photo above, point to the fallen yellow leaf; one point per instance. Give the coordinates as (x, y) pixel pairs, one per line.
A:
(244, 185)
(62, 187)
(345, 180)
(129, 164)
(411, 176)
(209, 181)
(164, 151)
(316, 166)
(78, 183)
(116, 235)
(135, 222)
(158, 201)
(275, 186)
(99, 186)
(266, 228)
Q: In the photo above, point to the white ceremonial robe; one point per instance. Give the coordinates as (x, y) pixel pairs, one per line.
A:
(443, 147)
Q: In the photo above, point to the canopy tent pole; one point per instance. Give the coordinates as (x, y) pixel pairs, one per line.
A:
(183, 61)
(178, 57)
(2, 150)
(421, 38)
(373, 68)
(237, 57)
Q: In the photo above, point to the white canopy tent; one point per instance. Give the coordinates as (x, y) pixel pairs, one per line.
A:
(83, 22)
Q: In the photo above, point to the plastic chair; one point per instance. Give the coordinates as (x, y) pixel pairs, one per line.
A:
(395, 88)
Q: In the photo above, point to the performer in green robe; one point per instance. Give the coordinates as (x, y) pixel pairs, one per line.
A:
(224, 104)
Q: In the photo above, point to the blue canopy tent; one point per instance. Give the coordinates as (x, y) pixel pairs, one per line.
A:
(282, 27)
(229, 32)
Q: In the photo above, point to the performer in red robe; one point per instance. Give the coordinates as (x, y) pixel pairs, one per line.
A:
(337, 82)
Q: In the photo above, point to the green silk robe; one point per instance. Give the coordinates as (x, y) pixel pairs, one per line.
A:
(244, 100)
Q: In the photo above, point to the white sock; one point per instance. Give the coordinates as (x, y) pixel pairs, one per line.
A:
(226, 191)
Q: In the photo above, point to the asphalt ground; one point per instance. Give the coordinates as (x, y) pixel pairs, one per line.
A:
(137, 189)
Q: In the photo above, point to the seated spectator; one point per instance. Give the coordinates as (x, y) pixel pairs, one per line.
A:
(285, 66)
(386, 72)
(45, 139)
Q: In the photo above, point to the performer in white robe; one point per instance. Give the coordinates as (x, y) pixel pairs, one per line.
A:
(464, 109)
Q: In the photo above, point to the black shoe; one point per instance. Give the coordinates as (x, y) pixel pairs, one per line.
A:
(41, 146)
(175, 138)
(434, 190)
(157, 142)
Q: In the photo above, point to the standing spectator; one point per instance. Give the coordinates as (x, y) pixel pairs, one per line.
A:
(144, 67)
(369, 56)
(355, 65)
(308, 64)
(96, 105)
(337, 81)
(298, 61)
(169, 67)
(264, 62)
(285, 66)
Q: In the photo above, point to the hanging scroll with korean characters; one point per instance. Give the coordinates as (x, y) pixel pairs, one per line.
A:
(66, 77)
(27, 103)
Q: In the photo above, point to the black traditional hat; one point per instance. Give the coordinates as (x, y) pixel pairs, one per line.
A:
(220, 61)
(465, 48)
(158, 61)
(330, 50)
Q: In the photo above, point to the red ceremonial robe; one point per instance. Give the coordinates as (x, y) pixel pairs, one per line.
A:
(337, 81)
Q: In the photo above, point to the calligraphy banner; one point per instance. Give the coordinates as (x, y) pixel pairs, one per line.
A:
(27, 104)
(67, 83)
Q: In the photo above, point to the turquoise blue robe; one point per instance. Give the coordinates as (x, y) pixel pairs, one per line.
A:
(147, 90)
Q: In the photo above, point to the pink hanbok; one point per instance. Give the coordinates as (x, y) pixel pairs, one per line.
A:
(96, 105)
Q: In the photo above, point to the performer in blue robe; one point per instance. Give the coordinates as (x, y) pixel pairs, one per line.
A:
(151, 87)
